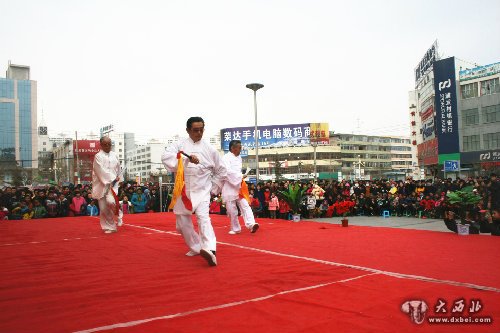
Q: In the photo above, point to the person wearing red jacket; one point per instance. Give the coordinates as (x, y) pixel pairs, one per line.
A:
(273, 205)
(427, 205)
(284, 209)
(77, 203)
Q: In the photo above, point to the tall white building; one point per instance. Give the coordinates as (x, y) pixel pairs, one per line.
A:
(144, 161)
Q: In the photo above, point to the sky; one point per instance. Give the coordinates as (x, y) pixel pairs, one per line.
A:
(147, 66)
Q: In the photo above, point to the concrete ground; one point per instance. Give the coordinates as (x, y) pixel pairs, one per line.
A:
(391, 222)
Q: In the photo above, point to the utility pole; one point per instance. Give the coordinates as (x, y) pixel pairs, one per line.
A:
(55, 172)
(160, 181)
(77, 164)
(315, 144)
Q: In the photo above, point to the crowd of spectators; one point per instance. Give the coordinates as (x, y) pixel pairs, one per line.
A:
(326, 198)
(54, 201)
(411, 198)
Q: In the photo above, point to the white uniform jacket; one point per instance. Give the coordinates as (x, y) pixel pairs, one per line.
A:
(231, 188)
(200, 179)
(105, 169)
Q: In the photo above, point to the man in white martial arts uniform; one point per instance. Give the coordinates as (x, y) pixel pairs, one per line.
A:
(231, 191)
(105, 174)
(204, 173)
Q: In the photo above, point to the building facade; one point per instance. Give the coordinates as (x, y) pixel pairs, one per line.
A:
(18, 128)
(479, 123)
(455, 117)
(144, 162)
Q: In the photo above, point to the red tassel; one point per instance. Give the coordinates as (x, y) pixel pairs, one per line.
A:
(185, 200)
(117, 202)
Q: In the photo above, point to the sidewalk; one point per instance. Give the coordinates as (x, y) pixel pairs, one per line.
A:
(390, 222)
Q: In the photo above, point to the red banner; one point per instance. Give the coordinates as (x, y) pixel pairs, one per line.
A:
(428, 152)
(84, 154)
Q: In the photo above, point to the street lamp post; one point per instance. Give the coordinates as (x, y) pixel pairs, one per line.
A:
(255, 87)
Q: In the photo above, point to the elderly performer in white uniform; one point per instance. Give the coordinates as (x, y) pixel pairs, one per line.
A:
(105, 174)
(204, 173)
(231, 191)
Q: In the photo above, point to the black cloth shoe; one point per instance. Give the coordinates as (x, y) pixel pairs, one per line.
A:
(209, 256)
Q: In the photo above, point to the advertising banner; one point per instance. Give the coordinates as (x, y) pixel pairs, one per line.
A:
(320, 133)
(446, 106)
(428, 152)
(478, 72)
(270, 136)
(428, 131)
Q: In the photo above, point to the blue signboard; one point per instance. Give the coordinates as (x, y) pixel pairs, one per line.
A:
(451, 166)
(446, 122)
(268, 136)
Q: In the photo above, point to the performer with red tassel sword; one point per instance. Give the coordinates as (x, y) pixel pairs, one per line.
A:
(235, 191)
(200, 172)
(105, 177)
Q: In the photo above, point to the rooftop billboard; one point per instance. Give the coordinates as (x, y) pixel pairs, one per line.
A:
(273, 136)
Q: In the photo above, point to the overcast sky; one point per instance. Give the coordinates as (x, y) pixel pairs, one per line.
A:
(146, 66)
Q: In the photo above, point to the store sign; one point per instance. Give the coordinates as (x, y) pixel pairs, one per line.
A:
(446, 106)
(492, 155)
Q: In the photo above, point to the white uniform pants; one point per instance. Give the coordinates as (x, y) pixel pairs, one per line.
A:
(205, 237)
(106, 215)
(246, 213)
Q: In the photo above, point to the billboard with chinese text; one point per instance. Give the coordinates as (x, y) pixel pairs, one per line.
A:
(479, 71)
(320, 133)
(446, 106)
(273, 136)
(84, 152)
(426, 63)
(428, 152)
(86, 147)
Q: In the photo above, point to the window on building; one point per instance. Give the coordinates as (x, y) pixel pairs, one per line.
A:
(489, 87)
(119, 150)
(471, 143)
(491, 114)
(470, 117)
(469, 90)
(491, 140)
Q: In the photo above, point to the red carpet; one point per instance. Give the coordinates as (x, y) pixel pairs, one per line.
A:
(65, 275)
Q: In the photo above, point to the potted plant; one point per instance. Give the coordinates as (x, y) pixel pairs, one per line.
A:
(293, 197)
(343, 209)
(464, 200)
